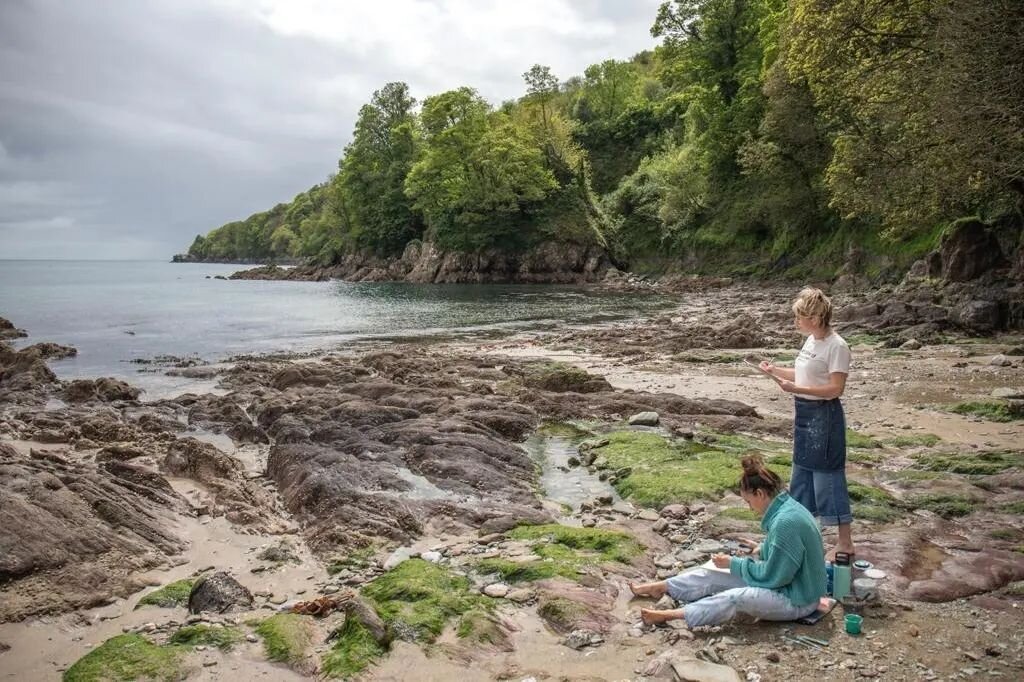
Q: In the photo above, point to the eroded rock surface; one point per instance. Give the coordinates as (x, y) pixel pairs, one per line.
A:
(83, 527)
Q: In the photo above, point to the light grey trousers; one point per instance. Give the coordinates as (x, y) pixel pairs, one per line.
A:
(715, 597)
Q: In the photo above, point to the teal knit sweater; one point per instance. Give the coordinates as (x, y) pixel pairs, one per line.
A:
(792, 554)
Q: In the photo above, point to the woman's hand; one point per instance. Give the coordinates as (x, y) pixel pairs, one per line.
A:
(721, 560)
(767, 367)
(753, 547)
(787, 386)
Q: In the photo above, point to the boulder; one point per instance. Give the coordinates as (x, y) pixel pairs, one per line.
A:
(9, 331)
(980, 316)
(690, 669)
(218, 593)
(644, 419)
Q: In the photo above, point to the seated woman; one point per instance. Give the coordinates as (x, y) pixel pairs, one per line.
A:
(785, 584)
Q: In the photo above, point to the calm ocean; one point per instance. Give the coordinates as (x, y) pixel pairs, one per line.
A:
(114, 312)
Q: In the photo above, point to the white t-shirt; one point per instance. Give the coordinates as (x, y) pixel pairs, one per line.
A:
(818, 359)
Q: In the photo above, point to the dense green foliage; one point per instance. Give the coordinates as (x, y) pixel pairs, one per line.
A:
(760, 136)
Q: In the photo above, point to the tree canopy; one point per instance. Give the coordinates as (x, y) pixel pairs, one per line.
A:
(759, 136)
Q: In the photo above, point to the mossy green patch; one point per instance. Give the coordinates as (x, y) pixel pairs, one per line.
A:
(1006, 534)
(420, 597)
(610, 545)
(860, 440)
(911, 475)
(946, 506)
(480, 628)
(356, 558)
(559, 377)
(972, 463)
(567, 430)
(740, 514)
(286, 637)
(864, 456)
(992, 410)
(170, 595)
(864, 339)
(872, 504)
(1013, 507)
(353, 651)
(927, 440)
(663, 472)
(207, 635)
(1016, 589)
(711, 358)
(128, 657)
(566, 552)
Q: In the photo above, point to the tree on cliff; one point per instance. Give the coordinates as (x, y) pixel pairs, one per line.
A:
(371, 180)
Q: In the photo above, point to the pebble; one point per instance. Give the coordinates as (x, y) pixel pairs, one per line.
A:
(209, 664)
(773, 656)
(589, 522)
(432, 556)
(251, 638)
(496, 590)
(1000, 361)
(648, 515)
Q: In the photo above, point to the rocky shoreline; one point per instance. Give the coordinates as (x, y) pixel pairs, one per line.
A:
(424, 262)
(489, 499)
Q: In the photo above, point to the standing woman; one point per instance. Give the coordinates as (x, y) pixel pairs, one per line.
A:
(817, 381)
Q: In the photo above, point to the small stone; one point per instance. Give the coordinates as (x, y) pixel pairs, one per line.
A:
(913, 631)
(648, 515)
(496, 590)
(520, 596)
(578, 639)
(604, 500)
(911, 344)
(971, 656)
(675, 511)
(665, 603)
(433, 557)
(209, 664)
(589, 522)
(644, 419)
(666, 561)
(330, 589)
(251, 638)
(773, 656)
(278, 599)
(1000, 361)
(573, 462)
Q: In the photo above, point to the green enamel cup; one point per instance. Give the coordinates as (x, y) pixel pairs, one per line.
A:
(853, 623)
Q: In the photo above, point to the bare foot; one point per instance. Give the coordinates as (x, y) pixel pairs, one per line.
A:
(652, 617)
(652, 590)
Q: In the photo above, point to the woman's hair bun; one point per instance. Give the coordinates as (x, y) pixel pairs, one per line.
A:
(752, 464)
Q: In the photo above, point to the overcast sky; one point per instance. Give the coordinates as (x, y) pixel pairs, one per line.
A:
(127, 127)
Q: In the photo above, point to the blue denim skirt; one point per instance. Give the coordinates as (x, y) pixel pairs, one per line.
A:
(819, 435)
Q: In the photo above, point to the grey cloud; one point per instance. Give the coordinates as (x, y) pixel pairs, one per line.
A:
(128, 127)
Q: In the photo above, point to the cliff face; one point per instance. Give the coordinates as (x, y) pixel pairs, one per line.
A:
(423, 262)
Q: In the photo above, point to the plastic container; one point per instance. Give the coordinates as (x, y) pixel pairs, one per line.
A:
(829, 574)
(853, 623)
(865, 588)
